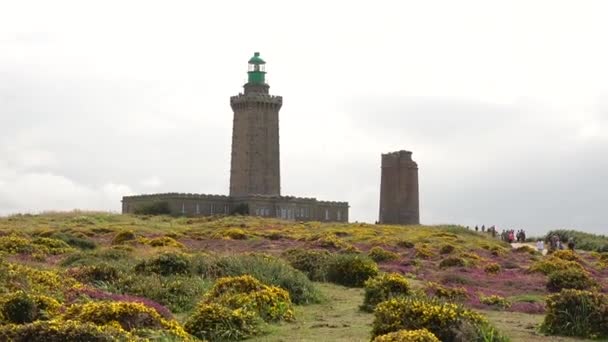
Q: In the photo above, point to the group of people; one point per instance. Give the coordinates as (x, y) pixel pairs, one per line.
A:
(555, 243)
(510, 236)
(507, 235)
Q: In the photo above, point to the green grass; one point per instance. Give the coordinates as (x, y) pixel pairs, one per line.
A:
(338, 318)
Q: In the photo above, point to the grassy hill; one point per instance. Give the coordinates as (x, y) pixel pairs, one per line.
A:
(80, 268)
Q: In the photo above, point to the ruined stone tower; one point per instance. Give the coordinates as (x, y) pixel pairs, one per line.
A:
(255, 163)
(399, 189)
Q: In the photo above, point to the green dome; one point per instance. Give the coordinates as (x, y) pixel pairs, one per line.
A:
(256, 59)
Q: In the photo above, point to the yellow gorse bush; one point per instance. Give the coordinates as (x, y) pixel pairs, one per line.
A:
(552, 263)
(495, 300)
(271, 303)
(441, 291)
(441, 318)
(129, 315)
(418, 335)
(383, 287)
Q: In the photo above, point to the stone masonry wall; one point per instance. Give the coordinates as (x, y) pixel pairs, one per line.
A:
(255, 158)
(399, 198)
(282, 207)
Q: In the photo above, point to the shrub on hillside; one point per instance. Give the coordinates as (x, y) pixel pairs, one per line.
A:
(164, 241)
(62, 331)
(571, 278)
(452, 262)
(123, 236)
(80, 242)
(423, 251)
(13, 244)
(271, 303)
(577, 313)
(405, 244)
(130, 316)
(179, 293)
(102, 272)
(234, 234)
(384, 287)
(165, 264)
(495, 300)
(492, 268)
(20, 307)
(156, 208)
(566, 254)
(447, 321)
(445, 292)
(333, 242)
(419, 335)
(551, 264)
(52, 246)
(215, 322)
(447, 249)
(351, 269)
(379, 254)
(271, 271)
(312, 262)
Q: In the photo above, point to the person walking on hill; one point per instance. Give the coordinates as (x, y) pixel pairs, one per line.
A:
(540, 245)
(476, 228)
(571, 243)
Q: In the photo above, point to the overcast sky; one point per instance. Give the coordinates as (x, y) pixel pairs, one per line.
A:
(503, 103)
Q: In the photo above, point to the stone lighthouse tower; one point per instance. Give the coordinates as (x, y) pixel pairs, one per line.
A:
(255, 162)
(399, 189)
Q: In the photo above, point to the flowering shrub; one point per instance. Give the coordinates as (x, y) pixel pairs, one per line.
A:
(95, 273)
(440, 291)
(334, 242)
(423, 251)
(419, 335)
(445, 320)
(168, 263)
(577, 313)
(566, 254)
(313, 263)
(498, 251)
(452, 262)
(92, 293)
(351, 269)
(570, 279)
(123, 236)
(13, 244)
(164, 241)
(215, 322)
(20, 307)
(234, 234)
(551, 264)
(447, 249)
(52, 246)
(379, 254)
(492, 268)
(130, 316)
(269, 302)
(63, 331)
(495, 300)
(384, 287)
(405, 244)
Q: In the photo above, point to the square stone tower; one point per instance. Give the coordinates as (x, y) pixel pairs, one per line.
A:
(399, 189)
(255, 162)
